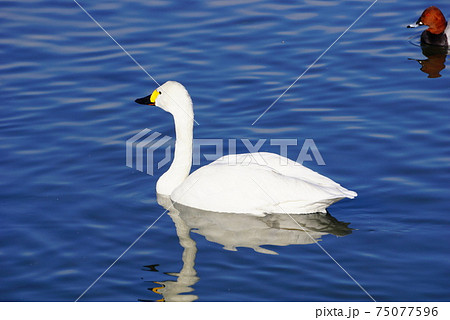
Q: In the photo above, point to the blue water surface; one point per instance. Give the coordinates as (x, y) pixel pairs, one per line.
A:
(375, 105)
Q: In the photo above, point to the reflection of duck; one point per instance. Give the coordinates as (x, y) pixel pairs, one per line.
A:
(435, 61)
(254, 183)
(237, 230)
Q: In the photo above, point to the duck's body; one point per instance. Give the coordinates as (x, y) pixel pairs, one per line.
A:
(438, 33)
(439, 39)
(253, 183)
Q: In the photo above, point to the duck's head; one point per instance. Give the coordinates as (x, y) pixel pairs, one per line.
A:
(172, 97)
(433, 18)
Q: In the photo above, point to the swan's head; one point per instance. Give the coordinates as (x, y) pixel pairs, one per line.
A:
(172, 97)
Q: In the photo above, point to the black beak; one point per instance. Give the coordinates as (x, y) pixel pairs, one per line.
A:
(144, 100)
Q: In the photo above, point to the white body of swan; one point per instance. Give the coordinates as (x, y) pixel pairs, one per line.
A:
(252, 183)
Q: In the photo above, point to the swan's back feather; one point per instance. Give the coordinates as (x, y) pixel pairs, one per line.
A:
(259, 183)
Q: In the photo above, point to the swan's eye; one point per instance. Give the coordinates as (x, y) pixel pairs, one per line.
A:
(160, 92)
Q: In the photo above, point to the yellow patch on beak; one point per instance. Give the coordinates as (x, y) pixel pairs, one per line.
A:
(153, 97)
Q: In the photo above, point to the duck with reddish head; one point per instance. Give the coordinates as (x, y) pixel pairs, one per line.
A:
(438, 32)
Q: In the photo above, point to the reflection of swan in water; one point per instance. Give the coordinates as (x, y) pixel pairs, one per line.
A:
(435, 61)
(176, 290)
(238, 230)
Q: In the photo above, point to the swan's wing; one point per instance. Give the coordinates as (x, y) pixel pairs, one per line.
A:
(284, 167)
(258, 183)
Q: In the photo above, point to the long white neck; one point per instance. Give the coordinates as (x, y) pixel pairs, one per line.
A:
(182, 161)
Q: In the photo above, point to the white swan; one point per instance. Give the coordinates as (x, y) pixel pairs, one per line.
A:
(253, 183)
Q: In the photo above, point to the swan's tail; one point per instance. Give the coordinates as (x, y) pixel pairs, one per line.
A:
(309, 205)
(349, 193)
